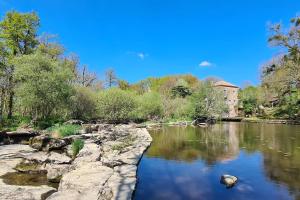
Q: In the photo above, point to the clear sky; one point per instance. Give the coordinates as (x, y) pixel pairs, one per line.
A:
(142, 38)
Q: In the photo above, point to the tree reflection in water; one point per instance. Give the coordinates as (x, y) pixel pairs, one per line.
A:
(279, 146)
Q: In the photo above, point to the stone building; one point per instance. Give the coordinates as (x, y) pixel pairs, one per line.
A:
(231, 97)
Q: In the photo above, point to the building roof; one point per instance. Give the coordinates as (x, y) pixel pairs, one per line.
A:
(225, 84)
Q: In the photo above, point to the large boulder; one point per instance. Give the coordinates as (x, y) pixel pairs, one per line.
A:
(46, 143)
(39, 142)
(21, 136)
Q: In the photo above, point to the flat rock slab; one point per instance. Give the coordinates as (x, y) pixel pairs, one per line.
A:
(10, 156)
(52, 157)
(84, 182)
(12, 192)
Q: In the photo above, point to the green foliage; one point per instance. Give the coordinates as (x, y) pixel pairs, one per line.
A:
(43, 84)
(115, 105)
(164, 85)
(149, 107)
(181, 91)
(177, 108)
(208, 101)
(18, 31)
(15, 122)
(64, 130)
(77, 145)
(83, 104)
(123, 85)
(281, 76)
(249, 99)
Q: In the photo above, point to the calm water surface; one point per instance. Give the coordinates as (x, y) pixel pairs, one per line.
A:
(186, 163)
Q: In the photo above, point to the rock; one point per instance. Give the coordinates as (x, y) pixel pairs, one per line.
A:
(126, 170)
(52, 157)
(17, 137)
(10, 156)
(29, 167)
(90, 153)
(100, 170)
(12, 192)
(74, 122)
(58, 158)
(121, 187)
(46, 143)
(56, 144)
(228, 180)
(84, 182)
(39, 142)
(55, 171)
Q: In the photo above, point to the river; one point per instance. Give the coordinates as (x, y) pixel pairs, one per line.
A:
(187, 162)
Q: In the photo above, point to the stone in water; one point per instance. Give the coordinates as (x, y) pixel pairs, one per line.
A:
(228, 180)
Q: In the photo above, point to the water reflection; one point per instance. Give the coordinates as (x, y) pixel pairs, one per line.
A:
(187, 162)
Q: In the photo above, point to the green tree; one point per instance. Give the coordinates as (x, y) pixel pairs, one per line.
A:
(18, 33)
(281, 76)
(123, 85)
(208, 101)
(83, 103)
(115, 105)
(249, 99)
(149, 107)
(43, 84)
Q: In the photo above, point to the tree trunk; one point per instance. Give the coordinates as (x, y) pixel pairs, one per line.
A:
(2, 104)
(10, 104)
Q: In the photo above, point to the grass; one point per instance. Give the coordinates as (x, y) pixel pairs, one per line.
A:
(77, 145)
(14, 123)
(64, 130)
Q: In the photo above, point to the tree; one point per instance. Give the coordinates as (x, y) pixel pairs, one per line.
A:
(115, 105)
(281, 76)
(3, 78)
(43, 84)
(123, 85)
(249, 99)
(149, 106)
(83, 103)
(208, 101)
(110, 78)
(18, 33)
(86, 78)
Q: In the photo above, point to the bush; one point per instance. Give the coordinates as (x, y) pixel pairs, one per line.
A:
(64, 130)
(116, 106)
(14, 123)
(83, 104)
(176, 108)
(149, 107)
(77, 145)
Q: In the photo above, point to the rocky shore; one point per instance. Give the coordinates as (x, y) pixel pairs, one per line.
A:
(104, 169)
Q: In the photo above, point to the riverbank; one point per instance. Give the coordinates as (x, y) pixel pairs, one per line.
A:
(104, 169)
(154, 125)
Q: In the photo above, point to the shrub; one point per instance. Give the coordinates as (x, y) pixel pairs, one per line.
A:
(77, 145)
(64, 130)
(116, 106)
(149, 106)
(83, 104)
(176, 108)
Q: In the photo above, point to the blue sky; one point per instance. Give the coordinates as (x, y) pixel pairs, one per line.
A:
(142, 38)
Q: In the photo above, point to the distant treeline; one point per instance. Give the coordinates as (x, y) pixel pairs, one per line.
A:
(41, 85)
